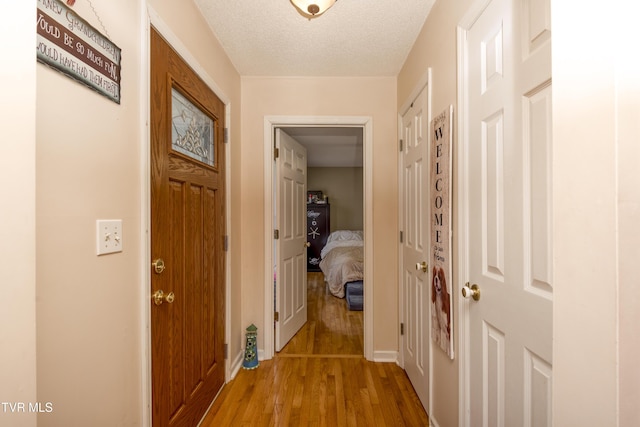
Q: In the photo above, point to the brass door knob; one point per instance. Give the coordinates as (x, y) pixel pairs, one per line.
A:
(422, 266)
(472, 291)
(307, 244)
(159, 297)
(158, 265)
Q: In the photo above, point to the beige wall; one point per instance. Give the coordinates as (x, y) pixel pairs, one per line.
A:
(344, 188)
(374, 97)
(628, 92)
(17, 214)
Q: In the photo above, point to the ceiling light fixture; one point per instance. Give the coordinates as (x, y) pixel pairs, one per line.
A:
(312, 8)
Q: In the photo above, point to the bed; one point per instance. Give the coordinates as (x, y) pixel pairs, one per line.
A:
(342, 260)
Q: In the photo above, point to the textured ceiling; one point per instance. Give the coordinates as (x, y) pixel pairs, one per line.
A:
(353, 38)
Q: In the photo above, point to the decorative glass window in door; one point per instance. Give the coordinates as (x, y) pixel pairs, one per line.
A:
(192, 131)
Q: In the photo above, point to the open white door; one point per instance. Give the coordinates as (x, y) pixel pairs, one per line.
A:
(291, 218)
(415, 245)
(506, 140)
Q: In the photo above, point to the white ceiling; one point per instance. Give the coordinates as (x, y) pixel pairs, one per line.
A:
(352, 38)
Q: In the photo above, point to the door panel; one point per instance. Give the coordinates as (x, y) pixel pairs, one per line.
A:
(507, 53)
(187, 229)
(291, 271)
(415, 245)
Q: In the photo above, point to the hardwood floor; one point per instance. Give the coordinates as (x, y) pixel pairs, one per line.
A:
(320, 378)
(330, 327)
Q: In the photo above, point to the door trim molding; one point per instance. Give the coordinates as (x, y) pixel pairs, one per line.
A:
(270, 123)
(461, 177)
(149, 17)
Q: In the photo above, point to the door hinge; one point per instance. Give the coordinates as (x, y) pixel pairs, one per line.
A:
(401, 145)
(276, 316)
(226, 242)
(401, 237)
(226, 135)
(226, 351)
(276, 153)
(276, 234)
(401, 328)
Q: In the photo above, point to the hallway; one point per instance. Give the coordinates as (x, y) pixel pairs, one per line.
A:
(320, 378)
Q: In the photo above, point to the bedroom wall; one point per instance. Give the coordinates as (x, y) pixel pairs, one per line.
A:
(344, 188)
(315, 96)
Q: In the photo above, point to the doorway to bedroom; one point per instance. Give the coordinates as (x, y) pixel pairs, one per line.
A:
(333, 232)
(335, 174)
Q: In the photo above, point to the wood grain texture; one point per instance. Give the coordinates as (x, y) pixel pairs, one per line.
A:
(187, 229)
(331, 328)
(320, 378)
(315, 390)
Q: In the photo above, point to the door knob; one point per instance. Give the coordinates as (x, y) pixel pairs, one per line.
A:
(159, 297)
(158, 265)
(472, 291)
(422, 266)
(307, 244)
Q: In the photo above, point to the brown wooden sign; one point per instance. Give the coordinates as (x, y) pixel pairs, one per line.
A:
(69, 44)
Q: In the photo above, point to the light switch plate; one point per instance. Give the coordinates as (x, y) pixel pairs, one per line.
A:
(108, 236)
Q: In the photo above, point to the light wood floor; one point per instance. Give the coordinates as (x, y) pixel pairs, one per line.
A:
(320, 378)
(330, 327)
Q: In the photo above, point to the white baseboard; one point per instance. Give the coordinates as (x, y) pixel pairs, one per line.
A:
(236, 364)
(385, 356)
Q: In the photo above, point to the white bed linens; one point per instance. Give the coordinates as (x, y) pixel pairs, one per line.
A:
(342, 260)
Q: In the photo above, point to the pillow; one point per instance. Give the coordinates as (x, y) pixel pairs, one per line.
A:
(345, 235)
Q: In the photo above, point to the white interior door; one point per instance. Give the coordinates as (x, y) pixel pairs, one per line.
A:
(415, 245)
(291, 218)
(507, 99)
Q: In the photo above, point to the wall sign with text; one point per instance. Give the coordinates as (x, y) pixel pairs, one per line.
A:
(440, 191)
(69, 44)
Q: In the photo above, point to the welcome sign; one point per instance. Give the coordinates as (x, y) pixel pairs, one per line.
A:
(69, 44)
(440, 197)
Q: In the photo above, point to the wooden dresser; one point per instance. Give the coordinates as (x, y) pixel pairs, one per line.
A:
(318, 230)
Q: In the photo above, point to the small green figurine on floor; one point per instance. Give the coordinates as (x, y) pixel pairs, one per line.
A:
(251, 352)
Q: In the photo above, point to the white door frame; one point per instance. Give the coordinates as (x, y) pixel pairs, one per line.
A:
(462, 232)
(152, 18)
(270, 123)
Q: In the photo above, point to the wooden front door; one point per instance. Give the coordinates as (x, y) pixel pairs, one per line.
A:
(187, 232)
